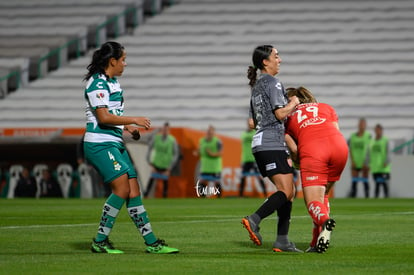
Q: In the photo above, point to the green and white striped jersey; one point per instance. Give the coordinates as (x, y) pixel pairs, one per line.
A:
(102, 92)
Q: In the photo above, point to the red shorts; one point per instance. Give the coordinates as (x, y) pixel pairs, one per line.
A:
(322, 160)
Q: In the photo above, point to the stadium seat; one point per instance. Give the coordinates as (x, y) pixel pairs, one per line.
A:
(14, 176)
(37, 173)
(86, 189)
(190, 62)
(65, 178)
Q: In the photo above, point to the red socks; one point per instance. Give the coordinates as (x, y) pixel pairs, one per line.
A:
(326, 202)
(318, 211)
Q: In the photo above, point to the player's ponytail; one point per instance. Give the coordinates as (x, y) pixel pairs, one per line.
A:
(101, 57)
(259, 54)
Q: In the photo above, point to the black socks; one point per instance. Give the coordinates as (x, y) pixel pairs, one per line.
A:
(273, 203)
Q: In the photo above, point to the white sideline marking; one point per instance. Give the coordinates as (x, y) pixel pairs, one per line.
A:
(158, 222)
(183, 222)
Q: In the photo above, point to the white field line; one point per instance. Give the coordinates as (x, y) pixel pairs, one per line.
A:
(207, 219)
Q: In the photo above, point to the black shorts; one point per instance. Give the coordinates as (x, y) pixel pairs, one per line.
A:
(271, 163)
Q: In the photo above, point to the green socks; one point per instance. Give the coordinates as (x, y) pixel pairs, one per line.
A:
(110, 211)
(139, 216)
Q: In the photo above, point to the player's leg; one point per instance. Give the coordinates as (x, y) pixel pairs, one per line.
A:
(262, 184)
(354, 182)
(243, 179)
(139, 216)
(242, 185)
(274, 165)
(108, 161)
(149, 186)
(314, 199)
(365, 180)
(386, 184)
(111, 208)
(377, 180)
(165, 188)
(282, 243)
(219, 190)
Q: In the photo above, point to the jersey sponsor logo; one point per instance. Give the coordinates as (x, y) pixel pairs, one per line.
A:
(313, 121)
(312, 178)
(270, 166)
(100, 85)
(257, 139)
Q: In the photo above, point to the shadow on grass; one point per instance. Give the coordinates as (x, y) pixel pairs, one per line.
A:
(81, 246)
(266, 247)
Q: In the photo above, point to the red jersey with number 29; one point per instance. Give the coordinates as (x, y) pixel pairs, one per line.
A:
(322, 149)
(310, 121)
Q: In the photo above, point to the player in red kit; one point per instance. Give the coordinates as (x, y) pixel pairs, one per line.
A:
(318, 146)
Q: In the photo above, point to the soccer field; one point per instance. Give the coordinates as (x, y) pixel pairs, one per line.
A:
(373, 236)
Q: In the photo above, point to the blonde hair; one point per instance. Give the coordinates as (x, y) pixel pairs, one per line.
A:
(303, 94)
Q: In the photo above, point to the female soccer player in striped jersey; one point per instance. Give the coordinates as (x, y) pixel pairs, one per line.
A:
(105, 150)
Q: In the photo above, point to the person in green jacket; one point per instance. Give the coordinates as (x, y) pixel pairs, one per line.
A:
(249, 166)
(380, 166)
(359, 143)
(211, 163)
(162, 156)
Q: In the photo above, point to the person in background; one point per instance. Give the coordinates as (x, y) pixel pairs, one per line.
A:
(269, 107)
(104, 148)
(249, 166)
(211, 163)
(359, 144)
(162, 155)
(380, 165)
(26, 186)
(321, 151)
(49, 186)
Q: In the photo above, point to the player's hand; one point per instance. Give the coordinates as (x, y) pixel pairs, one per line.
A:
(295, 100)
(143, 122)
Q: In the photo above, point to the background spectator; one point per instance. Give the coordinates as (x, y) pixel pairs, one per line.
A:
(249, 166)
(162, 155)
(26, 185)
(49, 186)
(359, 152)
(211, 163)
(380, 161)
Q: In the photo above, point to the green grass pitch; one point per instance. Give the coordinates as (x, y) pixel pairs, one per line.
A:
(52, 236)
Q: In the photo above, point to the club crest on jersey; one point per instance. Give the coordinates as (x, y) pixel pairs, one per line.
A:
(100, 95)
(278, 86)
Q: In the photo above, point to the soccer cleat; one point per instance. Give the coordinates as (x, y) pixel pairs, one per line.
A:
(253, 230)
(160, 247)
(324, 237)
(311, 249)
(289, 247)
(104, 246)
